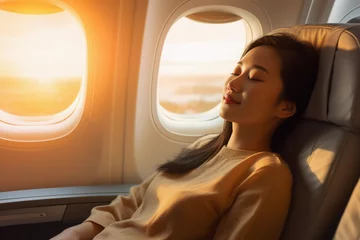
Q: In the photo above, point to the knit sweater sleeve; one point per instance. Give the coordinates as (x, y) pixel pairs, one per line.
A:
(121, 208)
(260, 208)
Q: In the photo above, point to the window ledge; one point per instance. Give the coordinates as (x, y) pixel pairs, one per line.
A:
(61, 196)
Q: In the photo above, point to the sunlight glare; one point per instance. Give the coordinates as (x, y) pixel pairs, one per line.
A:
(49, 46)
(196, 44)
(43, 60)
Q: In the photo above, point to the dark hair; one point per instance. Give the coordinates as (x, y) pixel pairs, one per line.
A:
(298, 73)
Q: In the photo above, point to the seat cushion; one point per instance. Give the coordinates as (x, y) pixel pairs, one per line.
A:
(349, 227)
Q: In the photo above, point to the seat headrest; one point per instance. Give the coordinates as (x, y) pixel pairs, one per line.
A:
(334, 98)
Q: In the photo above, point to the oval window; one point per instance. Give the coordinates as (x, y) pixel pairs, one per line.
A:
(42, 63)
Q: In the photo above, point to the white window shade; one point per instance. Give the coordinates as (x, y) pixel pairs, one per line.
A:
(214, 17)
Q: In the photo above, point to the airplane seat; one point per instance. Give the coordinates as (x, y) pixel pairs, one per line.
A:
(323, 151)
(349, 226)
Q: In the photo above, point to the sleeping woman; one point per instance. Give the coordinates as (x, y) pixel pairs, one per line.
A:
(233, 185)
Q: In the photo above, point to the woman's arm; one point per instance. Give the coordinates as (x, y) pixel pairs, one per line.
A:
(122, 208)
(83, 231)
(260, 209)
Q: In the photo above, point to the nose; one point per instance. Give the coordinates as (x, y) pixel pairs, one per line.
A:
(234, 85)
(231, 88)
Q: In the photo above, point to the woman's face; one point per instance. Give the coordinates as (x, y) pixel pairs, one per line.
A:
(251, 92)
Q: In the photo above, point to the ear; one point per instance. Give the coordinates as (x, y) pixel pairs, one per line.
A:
(286, 109)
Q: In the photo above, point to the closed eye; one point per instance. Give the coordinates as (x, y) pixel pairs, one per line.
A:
(252, 79)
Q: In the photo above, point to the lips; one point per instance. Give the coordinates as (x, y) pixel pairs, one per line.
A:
(229, 100)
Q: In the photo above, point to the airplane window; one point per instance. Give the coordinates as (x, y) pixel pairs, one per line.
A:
(355, 20)
(196, 60)
(42, 63)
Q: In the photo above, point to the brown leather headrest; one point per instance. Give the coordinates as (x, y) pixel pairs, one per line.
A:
(336, 95)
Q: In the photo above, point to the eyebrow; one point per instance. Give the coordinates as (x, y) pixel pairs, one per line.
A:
(257, 67)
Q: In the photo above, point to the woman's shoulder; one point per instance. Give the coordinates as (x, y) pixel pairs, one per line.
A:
(271, 162)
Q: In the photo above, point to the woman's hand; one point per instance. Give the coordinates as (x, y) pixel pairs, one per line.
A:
(83, 231)
(69, 234)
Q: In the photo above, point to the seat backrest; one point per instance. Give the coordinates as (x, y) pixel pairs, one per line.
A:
(349, 226)
(323, 152)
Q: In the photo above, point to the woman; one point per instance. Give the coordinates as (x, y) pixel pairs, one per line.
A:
(232, 185)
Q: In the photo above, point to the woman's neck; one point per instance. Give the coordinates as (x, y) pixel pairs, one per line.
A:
(250, 138)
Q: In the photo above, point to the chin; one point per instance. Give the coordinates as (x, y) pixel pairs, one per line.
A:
(230, 116)
(226, 115)
(222, 113)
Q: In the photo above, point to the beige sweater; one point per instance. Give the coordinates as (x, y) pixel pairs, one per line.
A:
(237, 194)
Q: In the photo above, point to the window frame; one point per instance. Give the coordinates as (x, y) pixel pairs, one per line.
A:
(14, 128)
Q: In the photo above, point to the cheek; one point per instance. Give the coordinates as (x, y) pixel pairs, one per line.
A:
(259, 103)
(263, 95)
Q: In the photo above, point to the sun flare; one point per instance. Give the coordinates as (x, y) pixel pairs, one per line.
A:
(42, 46)
(42, 62)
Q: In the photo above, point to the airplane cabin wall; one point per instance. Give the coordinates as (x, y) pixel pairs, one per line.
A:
(83, 157)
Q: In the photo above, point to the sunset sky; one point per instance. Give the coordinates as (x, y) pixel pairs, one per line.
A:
(41, 46)
(51, 46)
(191, 46)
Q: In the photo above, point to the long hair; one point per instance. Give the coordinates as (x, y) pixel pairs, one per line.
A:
(299, 62)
